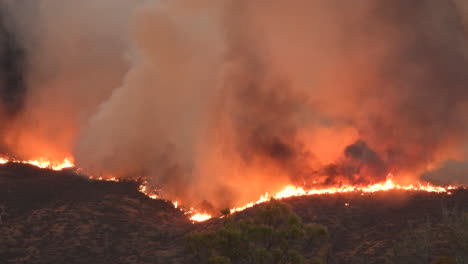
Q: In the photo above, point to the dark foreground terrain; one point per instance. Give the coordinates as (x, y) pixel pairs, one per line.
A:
(59, 217)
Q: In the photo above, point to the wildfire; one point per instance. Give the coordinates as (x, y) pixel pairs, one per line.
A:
(292, 191)
(286, 192)
(146, 191)
(43, 163)
(200, 217)
(112, 179)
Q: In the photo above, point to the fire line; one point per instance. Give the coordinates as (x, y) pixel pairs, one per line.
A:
(286, 192)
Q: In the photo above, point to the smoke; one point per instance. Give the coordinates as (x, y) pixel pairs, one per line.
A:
(451, 172)
(12, 68)
(152, 125)
(217, 102)
(74, 57)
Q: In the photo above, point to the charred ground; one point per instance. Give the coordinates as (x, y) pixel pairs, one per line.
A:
(61, 217)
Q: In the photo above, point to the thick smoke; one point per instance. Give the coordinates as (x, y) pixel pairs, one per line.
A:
(216, 102)
(12, 71)
(12, 68)
(74, 54)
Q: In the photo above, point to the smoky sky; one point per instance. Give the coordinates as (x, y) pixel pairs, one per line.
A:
(216, 102)
(12, 71)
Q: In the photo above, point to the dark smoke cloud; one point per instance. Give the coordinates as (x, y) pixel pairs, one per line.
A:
(219, 101)
(265, 119)
(12, 68)
(360, 165)
(12, 72)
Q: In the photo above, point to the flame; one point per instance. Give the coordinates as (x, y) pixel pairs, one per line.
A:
(292, 191)
(286, 192)
(46, 164)
(200, 217)
(112, 179)
(43, 163)
(143, 188)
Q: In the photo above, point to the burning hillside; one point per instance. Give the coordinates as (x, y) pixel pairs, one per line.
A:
(129, 127)
(199, 215)
(214, 103)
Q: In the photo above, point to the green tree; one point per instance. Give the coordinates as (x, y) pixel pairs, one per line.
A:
(275, 234)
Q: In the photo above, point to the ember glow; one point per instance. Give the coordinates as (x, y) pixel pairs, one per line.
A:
(112, 179)
(148, 191)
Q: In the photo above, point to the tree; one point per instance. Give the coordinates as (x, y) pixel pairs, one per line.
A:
(275, 234)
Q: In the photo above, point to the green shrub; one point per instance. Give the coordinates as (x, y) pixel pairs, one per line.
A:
(275, 234)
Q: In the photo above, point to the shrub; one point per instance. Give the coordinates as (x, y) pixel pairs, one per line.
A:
(275, 234)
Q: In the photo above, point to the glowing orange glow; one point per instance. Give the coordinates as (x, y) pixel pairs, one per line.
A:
(143, 188)
(200, 217)
(112, 179)
(292, 191)
(286, 192)
(43, 163)
(67, 163)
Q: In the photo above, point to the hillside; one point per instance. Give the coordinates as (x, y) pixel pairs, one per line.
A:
(60, 217)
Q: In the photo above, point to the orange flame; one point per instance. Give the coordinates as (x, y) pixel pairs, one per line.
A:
(112, 179)
(200, 217)
(292, 191)
(286, 192)
(43, 163)
(146, 191)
